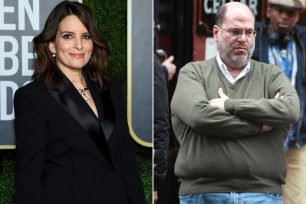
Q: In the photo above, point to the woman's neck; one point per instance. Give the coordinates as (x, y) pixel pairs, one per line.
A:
(75, 77)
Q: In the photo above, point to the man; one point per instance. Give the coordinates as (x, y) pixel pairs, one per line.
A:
(280, 41)
(231, 115)
(161, 126)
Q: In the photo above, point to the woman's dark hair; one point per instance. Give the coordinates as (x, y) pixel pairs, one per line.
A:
(44, 64)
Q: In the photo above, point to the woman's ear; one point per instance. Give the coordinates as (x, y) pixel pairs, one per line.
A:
(51, 47)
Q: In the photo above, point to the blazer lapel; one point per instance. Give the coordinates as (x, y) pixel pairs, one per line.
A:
(109, 117)
(67, 97)
(105, 108)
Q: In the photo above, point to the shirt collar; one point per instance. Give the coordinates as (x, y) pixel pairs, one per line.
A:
(225, 72)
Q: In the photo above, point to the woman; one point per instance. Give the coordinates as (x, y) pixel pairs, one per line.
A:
(72, 138)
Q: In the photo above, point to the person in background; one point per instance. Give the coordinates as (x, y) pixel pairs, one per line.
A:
(231, 115)
(163, 73)
(72, 138)
(282, 42)
(161, 126)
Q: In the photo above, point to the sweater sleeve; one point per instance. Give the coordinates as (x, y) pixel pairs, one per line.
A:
(190, 105)
(272, 111)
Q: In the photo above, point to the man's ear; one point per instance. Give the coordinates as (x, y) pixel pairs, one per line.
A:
(215, 32)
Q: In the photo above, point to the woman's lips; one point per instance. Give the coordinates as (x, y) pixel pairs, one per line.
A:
(77, 55)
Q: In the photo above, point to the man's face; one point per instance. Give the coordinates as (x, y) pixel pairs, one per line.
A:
(237, 50)
(282, 20)
(236, 38)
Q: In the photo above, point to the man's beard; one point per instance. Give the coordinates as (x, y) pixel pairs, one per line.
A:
(282, 32)
(233, 60)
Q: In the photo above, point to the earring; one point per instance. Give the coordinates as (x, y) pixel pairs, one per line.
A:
(53, 55)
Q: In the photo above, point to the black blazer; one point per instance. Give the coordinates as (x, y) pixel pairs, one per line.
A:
(66, 155)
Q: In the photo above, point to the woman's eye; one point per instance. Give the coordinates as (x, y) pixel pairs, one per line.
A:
(67, 36)
(86, 37)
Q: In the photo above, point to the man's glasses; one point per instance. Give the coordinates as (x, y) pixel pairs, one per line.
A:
(238, 33)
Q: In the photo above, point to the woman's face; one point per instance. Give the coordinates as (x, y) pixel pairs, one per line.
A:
(73, 45)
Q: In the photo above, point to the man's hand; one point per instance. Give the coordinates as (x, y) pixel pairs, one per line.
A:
(278, 96)
(266, 128)
(219, 102)
(170, 67)
(155, 196)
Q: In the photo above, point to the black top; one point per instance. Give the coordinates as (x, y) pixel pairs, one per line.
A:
(65, 154)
